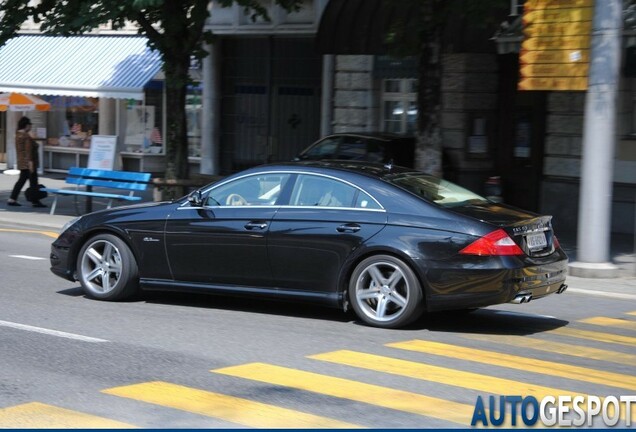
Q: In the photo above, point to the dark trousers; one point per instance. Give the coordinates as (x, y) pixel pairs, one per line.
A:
(24, 175)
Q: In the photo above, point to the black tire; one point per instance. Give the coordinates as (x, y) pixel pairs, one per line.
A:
(384, 292)
(110, 255)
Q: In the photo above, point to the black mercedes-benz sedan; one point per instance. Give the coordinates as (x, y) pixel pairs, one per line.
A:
(389, 242)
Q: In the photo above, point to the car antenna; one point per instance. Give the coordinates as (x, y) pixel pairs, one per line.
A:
(389, 166)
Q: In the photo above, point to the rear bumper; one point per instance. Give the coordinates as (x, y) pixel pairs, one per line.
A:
(491, 281)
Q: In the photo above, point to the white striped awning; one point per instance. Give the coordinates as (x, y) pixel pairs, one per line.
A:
(91, 66)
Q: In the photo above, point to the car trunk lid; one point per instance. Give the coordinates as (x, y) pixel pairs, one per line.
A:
(531, 232)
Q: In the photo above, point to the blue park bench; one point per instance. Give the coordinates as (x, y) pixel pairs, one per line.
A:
(89, 178)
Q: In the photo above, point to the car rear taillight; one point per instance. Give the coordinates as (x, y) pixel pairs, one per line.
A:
(496, 243)
(555, 242)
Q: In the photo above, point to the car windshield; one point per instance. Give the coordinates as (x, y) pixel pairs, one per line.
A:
(437, 190)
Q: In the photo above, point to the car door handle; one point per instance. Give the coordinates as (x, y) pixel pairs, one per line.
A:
(351, 228)
(255, 225)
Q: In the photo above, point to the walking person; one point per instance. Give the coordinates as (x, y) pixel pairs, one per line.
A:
(28, 161)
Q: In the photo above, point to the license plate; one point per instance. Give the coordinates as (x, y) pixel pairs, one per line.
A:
(536, 241)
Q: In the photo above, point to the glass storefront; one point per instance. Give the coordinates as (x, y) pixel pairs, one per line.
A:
(72, 120)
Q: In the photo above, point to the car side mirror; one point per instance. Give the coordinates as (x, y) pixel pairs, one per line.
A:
(195, 198)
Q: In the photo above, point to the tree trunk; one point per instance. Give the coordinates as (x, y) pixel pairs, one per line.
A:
(176, 135)
(429, 132)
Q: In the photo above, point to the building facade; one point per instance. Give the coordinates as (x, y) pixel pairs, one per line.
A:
(270, 88)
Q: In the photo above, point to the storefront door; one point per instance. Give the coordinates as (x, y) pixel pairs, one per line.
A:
(525, 154)
(270, 106)
(522, 122)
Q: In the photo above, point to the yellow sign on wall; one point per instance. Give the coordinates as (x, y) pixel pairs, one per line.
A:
(555, 52)
(581, 56)
(554, 70)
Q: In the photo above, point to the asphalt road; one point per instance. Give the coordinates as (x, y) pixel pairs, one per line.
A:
(185, 361)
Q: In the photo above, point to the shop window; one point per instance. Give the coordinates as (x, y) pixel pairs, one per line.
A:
(72, 121)
(140, 125)
(479, 138)
(399, 106)
(154, 97)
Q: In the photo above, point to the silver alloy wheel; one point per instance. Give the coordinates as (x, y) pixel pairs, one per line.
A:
(101, 267)
(382, 291)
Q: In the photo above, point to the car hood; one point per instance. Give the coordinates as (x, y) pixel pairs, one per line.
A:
(134, 212)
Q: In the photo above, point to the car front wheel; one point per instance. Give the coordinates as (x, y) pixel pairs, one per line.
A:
(107, 269)
(384, 292)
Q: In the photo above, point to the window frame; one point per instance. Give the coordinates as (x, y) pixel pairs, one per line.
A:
(406, 95)
(280, 196)
(354, 199)
(285, 196)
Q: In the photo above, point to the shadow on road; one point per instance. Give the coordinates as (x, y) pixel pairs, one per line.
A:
(233, 303)
(490, 321)
(482, 321)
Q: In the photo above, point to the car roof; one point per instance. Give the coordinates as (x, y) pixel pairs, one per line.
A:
(383, 136)
(370, 169)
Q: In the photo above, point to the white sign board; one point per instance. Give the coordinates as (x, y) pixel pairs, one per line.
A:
(102, 154)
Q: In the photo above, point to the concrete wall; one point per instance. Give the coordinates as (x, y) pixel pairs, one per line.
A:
(355, 100)
(469, 89)
(562, 160)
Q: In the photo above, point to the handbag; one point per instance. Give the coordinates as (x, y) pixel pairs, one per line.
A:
(39, 194)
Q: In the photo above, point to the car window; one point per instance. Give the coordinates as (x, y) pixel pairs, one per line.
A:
(437, 190)
(353, 148)
(259, 189)
(325, 149)
(375, 150)
(364, 200)
(319, 191)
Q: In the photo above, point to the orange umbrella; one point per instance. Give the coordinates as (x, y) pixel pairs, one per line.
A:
(22, 102)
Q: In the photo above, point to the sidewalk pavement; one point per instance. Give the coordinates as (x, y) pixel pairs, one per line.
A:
(623, 249)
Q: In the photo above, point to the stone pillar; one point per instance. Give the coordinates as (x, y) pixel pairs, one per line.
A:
(354, 105)
(107, 116)
(12, 157)
(211, 110)
(121, 114)
(326, 105)
(599, 141)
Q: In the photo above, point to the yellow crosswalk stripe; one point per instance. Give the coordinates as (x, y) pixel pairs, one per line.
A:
(228, 408)
(527, 342)
(442, 375)
(35, 415)
(525, 364)
(610, 322)
(46, 233)
(453, 377)
(594, 336)
(353, 390)
(632, 313)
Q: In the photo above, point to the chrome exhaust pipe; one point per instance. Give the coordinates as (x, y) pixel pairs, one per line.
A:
(562, 289)
(521, 298)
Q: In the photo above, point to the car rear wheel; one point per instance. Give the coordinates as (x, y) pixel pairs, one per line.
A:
(384, 292)
(107, 269)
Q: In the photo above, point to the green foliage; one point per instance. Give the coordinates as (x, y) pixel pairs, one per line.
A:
(416, 20)
(13, 13)
(176, 28)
